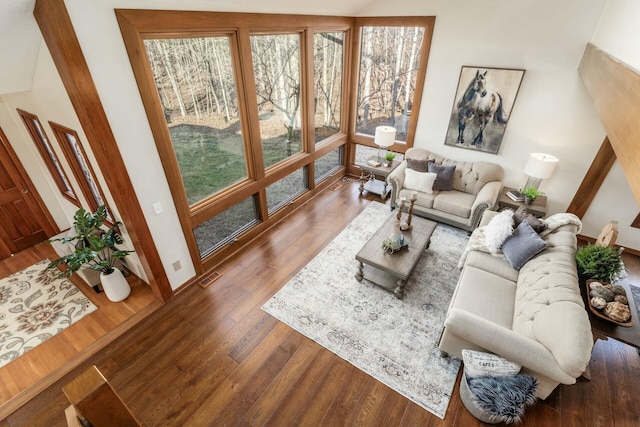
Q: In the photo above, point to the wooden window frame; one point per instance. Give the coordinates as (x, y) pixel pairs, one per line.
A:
(60, 133)
(138, 25)
(428, 23)
(49, 156)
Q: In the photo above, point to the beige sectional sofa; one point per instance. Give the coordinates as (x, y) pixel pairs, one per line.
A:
(476, 186)
(534, 317)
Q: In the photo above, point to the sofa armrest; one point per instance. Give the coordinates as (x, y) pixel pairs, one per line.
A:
(487, 216)
(506, 343)
(486, 199)
(396, 181)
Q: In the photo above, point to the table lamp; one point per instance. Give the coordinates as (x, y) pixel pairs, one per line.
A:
(385, 137)
(539, 166)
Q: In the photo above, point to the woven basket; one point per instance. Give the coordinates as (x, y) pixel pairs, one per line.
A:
(469, 402)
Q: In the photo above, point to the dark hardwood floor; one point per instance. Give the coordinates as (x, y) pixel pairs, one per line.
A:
(212, 357)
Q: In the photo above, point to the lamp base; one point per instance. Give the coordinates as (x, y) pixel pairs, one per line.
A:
(532, 182)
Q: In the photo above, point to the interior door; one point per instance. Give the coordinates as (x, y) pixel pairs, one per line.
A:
(23, 219)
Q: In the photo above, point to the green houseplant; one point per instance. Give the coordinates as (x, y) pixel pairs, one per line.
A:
(597, 262)
(530, 193)
(389, 158)
(95, 248)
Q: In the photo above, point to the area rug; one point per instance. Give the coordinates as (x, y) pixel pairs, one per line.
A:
(35, 306)
(394, 341)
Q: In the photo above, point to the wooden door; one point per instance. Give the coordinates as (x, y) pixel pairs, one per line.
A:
(24, 221)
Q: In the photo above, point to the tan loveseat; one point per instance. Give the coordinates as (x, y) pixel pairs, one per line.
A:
(534, 317)
(476, 186)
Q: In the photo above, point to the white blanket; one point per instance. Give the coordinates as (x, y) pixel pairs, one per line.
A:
(476, 241)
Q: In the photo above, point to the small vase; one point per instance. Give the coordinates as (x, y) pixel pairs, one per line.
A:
(528, 200)
(115, 286)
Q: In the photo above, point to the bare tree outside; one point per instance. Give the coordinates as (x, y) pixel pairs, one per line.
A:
(389, 60)
(196, 86)
(328, 61)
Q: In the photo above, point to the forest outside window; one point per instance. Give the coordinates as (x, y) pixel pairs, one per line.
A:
(49, 156)
(195, 81)
(328, 63)
(392, 57)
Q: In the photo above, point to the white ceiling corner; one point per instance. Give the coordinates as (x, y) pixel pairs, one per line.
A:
(20, 40)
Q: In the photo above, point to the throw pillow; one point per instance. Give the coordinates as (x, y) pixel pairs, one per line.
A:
(523, 215)
(523, 245)
(444, 181)
(419, 181)
(499, 228)
(419, 165)
(479, 364)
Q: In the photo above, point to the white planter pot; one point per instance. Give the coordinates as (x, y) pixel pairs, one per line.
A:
(115, 286)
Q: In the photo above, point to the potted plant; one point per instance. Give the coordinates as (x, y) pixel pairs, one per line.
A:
(389, 158)
(530, 194)
(95, 248)
(602, 263)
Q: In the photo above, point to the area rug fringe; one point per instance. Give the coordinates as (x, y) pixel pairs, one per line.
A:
(394, 341)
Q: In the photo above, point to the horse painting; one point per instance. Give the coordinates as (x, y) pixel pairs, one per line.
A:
(481, 104)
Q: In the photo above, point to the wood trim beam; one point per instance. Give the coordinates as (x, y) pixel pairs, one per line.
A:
(593, 179)
(614, 88)
(58, 33)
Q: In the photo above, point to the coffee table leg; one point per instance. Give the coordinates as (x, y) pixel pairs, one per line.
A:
(399, 292)
(360, 273)
(362, 179)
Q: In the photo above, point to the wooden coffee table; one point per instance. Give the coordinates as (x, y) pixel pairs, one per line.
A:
(391, 271)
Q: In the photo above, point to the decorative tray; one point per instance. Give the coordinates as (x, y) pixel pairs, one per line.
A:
(600, 312)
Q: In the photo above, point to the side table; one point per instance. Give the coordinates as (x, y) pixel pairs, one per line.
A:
(537, 208)
(369, 174)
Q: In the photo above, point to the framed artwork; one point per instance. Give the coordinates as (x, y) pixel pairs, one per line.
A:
(482, 107)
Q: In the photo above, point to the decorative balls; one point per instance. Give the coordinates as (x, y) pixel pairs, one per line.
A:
(621, 299)
(617, 311)
(606, 294)
(595, 285)
(598, 302)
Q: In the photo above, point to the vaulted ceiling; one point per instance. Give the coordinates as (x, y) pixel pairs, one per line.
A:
(19, 44)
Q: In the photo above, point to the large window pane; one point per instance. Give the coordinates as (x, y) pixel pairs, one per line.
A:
(389, 59)
(226, 226)
(327, 164)
(328, 55)
(288, 188)
(276, 64)
(196, 85)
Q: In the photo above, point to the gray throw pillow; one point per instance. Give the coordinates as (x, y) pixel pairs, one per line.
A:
(419, 165)
(522, 214)
(522, 245)
(444, 180)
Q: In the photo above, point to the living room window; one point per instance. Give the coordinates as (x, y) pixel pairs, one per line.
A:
(251, 106)
(392, 61)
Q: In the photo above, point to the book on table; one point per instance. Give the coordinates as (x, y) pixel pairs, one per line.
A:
(515, 195)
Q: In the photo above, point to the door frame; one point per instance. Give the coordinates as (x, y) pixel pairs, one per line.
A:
(20, 176)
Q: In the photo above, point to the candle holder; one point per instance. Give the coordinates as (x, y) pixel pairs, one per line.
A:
(407, 226)
(403, 200)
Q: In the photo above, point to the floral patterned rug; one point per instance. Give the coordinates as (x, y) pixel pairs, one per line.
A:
(35, 306)
(394, 341)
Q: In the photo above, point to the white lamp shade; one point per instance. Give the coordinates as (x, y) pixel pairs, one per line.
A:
(540, 165)
(385, 136)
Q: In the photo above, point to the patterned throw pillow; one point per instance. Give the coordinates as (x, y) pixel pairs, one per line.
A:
(444, 181)
(523, 245)
(498, 230)
(419, 181)
(523, 215)
(419, 165)
(479, 364)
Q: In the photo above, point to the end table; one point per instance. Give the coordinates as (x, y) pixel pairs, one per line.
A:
(368, 174)
(538, 208)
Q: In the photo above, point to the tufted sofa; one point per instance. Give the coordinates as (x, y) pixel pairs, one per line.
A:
(534, 317)
(476, 186)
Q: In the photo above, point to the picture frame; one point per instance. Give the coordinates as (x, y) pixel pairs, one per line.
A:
(482, 107)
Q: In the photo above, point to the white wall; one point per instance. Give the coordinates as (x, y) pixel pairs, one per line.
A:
(48, 100)
(618, 34)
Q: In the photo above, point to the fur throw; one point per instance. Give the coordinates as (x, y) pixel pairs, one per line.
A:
(504, 397)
